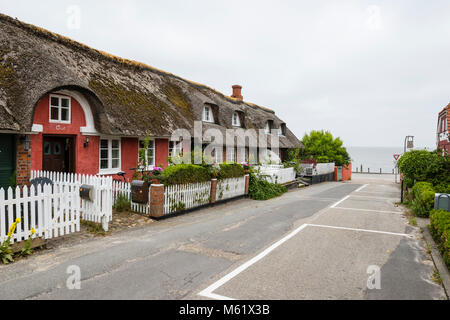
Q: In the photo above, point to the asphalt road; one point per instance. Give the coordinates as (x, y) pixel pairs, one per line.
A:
(324, 246)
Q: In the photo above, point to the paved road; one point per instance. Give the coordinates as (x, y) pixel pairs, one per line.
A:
(314, 243)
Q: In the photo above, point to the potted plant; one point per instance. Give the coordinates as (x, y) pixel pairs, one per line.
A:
(157, 175)
(247, 167)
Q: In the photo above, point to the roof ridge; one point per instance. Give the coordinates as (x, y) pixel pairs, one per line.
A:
(64, 40)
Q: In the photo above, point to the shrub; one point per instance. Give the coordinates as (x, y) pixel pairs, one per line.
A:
(186, 173)
(440, 230)
(423, 195)
(230, 170)
(261, 189)
(122, 203)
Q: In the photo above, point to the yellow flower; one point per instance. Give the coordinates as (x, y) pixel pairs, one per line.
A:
(12, 229)
(18, 220)
(33, 231)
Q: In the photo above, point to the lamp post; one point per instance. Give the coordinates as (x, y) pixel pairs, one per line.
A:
(409, 143)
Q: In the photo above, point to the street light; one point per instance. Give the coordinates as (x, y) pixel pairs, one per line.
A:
(409, 144)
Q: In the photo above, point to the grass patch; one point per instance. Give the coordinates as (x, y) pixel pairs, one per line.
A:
(413, 221)
(94, 228)
(437, 276)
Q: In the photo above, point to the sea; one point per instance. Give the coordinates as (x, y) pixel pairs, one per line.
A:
(374, 158)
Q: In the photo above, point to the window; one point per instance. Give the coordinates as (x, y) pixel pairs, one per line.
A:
(282, 130)
(207, 114)
(216, 155)
(236, 120)
(109, 156)
(268, 128)
(149, 154)
(59, 109)
(175, 148)
(231, 154)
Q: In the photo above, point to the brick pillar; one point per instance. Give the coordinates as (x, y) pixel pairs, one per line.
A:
(23, 163)
(247, 184)
(213, 191)
(157, 200)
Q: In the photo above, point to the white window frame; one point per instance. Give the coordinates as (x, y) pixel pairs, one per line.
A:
(207, 110)
(110, 170)
(231, 154)
(267, 128)
(152, 146)
(216, 155)
(60, 107)
(175, 146)
(236, 120)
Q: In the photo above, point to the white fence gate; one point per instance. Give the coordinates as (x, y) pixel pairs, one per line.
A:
(52, 211)
(96, 210)
(278, 175)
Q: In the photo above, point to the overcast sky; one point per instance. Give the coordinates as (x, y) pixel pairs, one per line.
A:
(370, 72)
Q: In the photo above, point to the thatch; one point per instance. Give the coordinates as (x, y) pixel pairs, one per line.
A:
(128, 98)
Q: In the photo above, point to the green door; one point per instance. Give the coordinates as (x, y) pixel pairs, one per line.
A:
(339, 175)
(7, 159)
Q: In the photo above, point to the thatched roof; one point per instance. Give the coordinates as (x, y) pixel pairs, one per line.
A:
(128, 98)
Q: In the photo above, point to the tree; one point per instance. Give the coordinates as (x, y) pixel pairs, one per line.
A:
(324, 148)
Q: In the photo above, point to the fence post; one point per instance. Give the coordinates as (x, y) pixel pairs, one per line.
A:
(157, 200)
(247, 184)
(213, 196)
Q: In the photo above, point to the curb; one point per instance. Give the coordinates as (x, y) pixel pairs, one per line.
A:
(435, 255)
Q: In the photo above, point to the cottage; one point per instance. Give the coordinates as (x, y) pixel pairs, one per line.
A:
(443, 137)
(66, 107)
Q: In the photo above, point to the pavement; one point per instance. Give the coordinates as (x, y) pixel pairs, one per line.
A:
(327, 241)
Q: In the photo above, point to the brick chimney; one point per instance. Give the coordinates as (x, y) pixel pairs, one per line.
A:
(237, 92)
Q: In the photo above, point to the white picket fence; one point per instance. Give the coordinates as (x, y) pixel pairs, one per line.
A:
(122, 188)
(96, 210)
(52, 211)
(230, 188)
(182, 197)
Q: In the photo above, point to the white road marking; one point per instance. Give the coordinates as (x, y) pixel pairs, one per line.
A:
(361, 230)
(368, 210)
(339, 202)
(381, 198)
(208, 292)
(364, 186)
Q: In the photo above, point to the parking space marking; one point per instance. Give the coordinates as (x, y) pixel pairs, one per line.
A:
(370, 197)
(367, 210)
(208, 292)
(363, 187)
(361, 230)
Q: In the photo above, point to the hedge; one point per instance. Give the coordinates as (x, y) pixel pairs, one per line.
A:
(423, 195)
(185, 173)
(260, 189)
(231, 170)
(440, 230)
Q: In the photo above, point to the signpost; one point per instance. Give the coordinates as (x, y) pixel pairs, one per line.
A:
(396, 157)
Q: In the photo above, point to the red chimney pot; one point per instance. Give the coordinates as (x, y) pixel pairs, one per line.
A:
(237, 92)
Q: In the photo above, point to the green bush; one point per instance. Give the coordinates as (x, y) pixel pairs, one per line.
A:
(230, 170)
(260, 189)
(122, 203)
(421, 165)
(440, 229)
(185, 173)
(423, 195)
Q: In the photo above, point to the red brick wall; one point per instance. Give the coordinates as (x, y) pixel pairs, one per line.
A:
(23, 164)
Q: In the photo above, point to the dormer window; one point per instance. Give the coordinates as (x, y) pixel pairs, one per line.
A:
(282, 130)
(60, 109)
(236, 120)
(268, 127)
(208, 114)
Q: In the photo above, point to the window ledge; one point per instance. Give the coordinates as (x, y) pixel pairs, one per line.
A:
(108, 172)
